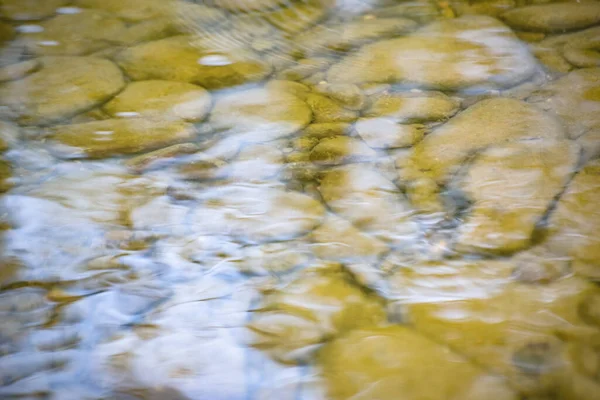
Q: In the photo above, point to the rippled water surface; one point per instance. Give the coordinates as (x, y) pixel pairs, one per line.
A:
(300, 200)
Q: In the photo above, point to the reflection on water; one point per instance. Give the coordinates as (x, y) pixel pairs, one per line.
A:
(268, 199)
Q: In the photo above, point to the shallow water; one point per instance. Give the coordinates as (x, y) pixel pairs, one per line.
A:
(263, 199)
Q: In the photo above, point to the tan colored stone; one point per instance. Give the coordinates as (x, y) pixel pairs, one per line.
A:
(75, 34)
(294, 321)
(260, 114)
(247, 5)
(558, 17)
(119, 136)
(161, 99)
(385, 133)
(396, 362)
(191, 59)
(63, 87)
(488, 122)
(131, 10)
(23, 10)
(19, 70)
(512, 186)
(414, 107)
(327, 110)
(433, 57)
(340, 150)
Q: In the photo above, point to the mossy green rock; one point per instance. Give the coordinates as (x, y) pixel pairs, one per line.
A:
(488, 122)
(191, 59)
(62, 88)
(557, 17)
(247, 5)
(24, 10)
(5, 173)
(433, 57)
(75, 34)
(327, 110)
(511, 187)
(395, 362)
(260, 114)
(163, 99)
(110, 137)
(324, 301)
(340, 150)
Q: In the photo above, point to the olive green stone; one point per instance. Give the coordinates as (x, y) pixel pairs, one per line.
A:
(6, 33)
(75, 34)
(349, 96)
(573, 225)
(386, 133)
(327, 110)
(161, 99)
(131, 10)
(511, 187)
(247, 5)
(326, 129)
(432, 57)
(340, 150)
(488, 122)
(18, 70)
(23, 10)
(414, 107)
(321, 303)
(109, 137)
(558, 17)
(5, 173)
(63, 87)
(191, 59)
(395, 362)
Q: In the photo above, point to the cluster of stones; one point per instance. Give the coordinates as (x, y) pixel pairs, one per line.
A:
(404, 197)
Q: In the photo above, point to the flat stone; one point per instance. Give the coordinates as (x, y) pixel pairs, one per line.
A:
(343, 37)
(327, 110)
(388, 362)
(63, 87)
(483, 305)
(75, 34)
(191, 59)
(431, 58)
(573, 225)
(341, 150)
(512, 186)
(349, 96)
(110, 137)
(247, 5)
(557, 17)
(24, 10)
(386, 133)
(326, 129)
(338, 240)
(370, 201)
(488, 122)
(161, 99)
(130, 10)
(293, 322)
(414, 107)
(145, 161)
(260, 114)
(575, 98)
(255, 213)
(18, 70)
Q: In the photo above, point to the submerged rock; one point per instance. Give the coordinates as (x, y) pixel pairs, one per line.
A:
(110, 137)
(575, 98)
(396, 362)
(255, 213)
(557, 17)
(489, 122)
(191, 59)
(130, 10)
(414, 107)
(5, 174)
(366, 198)
(322, 302)
(161, 99)
(340, 150)
(435, 57)
(23, 10)
(573, 225)
(512, 187)
(75, 34)
(18, 70)
(63, 87)
(386, 133)
(260, 114)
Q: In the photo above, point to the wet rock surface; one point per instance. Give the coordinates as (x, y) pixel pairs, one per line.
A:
(299, 200)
